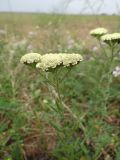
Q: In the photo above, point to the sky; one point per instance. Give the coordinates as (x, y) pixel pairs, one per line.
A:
(62, 6)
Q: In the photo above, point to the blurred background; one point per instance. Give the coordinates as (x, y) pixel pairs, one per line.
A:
(62, 6)
(27, 107)
(57, 18)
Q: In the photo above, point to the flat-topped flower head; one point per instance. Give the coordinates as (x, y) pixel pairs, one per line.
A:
(98, 32)
(30, 58)
(111, 38)
(51, 61)
(71, 59)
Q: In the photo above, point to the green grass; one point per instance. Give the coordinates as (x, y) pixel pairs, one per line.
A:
(31, 125)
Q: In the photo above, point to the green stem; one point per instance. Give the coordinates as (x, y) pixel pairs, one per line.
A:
(110, 77)
(102, 48)
(46, 79)
(66, 107)
(69, 70)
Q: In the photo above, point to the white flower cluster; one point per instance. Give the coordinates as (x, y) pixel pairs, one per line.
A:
(113, 37)
(30, 58)
(71, 59)
(98, 32)
(50, 61)
(116, 72)
(103, 35)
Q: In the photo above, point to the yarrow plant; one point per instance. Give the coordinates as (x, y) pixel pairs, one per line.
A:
(30, 58)
(103, 35)
(98, 32)
(70, 126)
(51, 65)
(111, 39)
(52, 62)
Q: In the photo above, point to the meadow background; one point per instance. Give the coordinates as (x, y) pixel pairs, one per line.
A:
(26, 103)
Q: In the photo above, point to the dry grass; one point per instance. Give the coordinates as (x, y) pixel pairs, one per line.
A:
(18, 84)
(61, 26)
